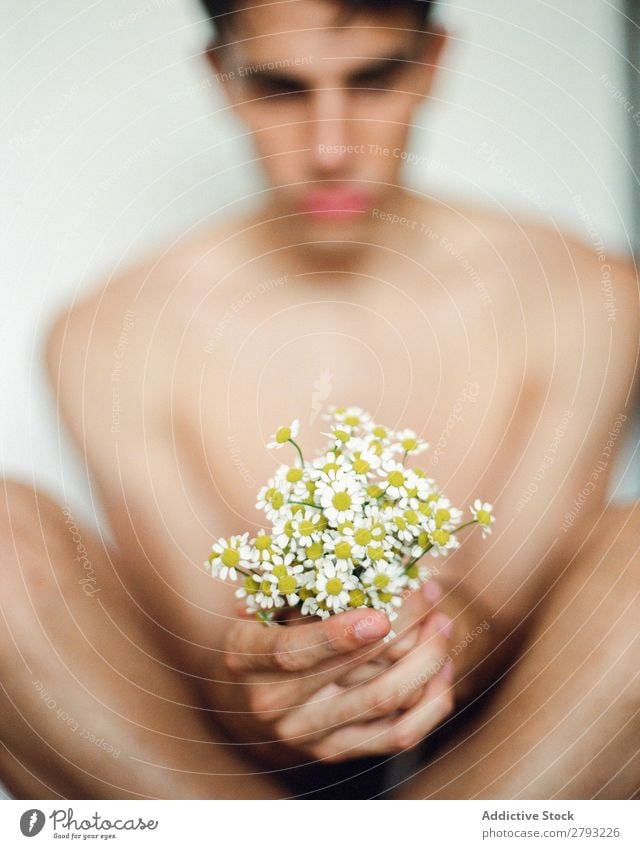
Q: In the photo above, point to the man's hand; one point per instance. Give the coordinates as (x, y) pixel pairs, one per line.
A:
(332, 689)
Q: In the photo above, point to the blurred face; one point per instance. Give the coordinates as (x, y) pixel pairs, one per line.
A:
(329, 98)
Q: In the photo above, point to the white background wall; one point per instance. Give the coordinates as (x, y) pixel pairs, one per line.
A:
(112, 142)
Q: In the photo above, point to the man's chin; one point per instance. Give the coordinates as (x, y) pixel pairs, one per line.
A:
(334, 234)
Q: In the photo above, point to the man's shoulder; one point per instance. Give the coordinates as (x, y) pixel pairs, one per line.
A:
(151, 287)
(136, 317)
(532, 252)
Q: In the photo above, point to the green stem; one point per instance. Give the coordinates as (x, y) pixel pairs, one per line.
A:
(466, 525)
(305, 504)
(297, 447)
(419, 557)
(265, 617)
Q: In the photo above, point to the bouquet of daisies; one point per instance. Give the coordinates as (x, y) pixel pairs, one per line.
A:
(349, 529)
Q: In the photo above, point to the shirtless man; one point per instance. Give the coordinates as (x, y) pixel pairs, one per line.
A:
(484, 333)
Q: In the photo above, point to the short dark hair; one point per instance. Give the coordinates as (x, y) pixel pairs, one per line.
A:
(220, 11)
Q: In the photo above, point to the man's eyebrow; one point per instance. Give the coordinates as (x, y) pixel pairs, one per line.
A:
(258, 74)
(380, 67)
(377, 68)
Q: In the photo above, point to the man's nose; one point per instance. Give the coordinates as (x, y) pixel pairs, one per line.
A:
(330, 129)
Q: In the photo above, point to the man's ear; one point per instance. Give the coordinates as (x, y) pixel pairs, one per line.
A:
(434, 42)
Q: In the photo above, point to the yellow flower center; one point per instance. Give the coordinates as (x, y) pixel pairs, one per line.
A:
(396, 478)
(375, 552)
(409, 444)
(483, 517)
(294, 475)
(280, 571)
(230, 557)
(342, 435)
(330, 467)
(400, 523)
(352, 421)
(250, 585)
(423, 539)
(283, 434)
(287, 585)
(380, 432)
(306, 527)
(386, 597)
(442, 516)
(341, 501)
(265, 587)
(411, 516)
(374, 491)
(360, 466)
(356, 598)
(362, 536)
(441, 537)
(412, 571)
(334, 586)
(263, 542)
(277, 500)
(315, 551)
(381, 581)
(343, 551)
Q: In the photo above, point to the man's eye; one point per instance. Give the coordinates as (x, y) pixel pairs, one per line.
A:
(271, 88)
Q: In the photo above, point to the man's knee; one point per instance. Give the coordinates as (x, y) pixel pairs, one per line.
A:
(613, 589)
(32, 536)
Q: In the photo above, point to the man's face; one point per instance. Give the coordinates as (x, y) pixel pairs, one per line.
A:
(329, 98)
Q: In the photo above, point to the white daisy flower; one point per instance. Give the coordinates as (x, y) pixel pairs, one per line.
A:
(408, 442)
(308, 526)
(284, 531)
(443, 541)
(397, 525)
(395, 480)
(340, 436)
(268, 596)
(288, 572)
(284, 434)
(341, 548)
(364, 462)
(329, 466)
(360, 535)
(229, 554)
(350, 416)
(332, 586)
(272, 499)
(340, 499)
(482, 512)
(384, 578)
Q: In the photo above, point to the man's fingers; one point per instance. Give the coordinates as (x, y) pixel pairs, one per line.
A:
(389, 736)
(391, 690)
(296, 648)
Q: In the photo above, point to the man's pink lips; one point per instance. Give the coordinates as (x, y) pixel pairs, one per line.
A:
(335, 203)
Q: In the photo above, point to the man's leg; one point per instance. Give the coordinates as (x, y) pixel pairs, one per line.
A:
(565, 722)
(89, 706)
